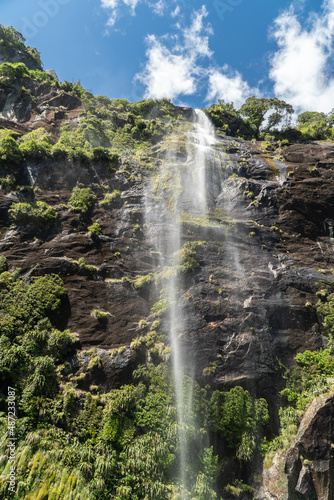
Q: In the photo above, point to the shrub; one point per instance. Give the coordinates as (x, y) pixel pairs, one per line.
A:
(82, 199)
(13, 70)
(101, 316)
(239, 419)
(101, 154)
(36, 144)
(143, 281)
(95, 229)
(7, 183)
(38, 214)
(3, 264)
(10, 153)
(110, 198)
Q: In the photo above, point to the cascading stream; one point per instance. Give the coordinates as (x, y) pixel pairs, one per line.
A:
(179, 190)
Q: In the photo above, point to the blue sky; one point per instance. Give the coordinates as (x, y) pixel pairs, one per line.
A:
(191, 52)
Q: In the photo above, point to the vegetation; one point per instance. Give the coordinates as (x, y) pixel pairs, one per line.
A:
(238, 419)
(37, 214)
(314, 125)
(12, 39)
(74, 442)
(95, 229)
(312, 377)
(82, 199)
(110, 198)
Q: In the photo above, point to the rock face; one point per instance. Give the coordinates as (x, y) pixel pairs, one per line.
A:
(309, 462)
(247, 304)
(14, 53)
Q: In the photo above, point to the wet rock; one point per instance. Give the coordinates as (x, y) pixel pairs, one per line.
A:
(312, 445)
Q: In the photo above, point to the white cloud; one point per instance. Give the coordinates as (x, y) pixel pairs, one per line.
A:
(171, 72)
(300, 67)
(194, 40)
(116, 8)
(229, 86)
(176, 11)
(167, 74)
(159, 7)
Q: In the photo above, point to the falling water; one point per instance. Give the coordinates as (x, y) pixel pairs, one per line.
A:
(179, 190)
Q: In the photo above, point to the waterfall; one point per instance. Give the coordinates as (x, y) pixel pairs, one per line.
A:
(178, 191)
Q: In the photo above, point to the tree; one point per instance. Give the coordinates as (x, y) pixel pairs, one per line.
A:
(315, 125)
(256, 110)
(238, 419)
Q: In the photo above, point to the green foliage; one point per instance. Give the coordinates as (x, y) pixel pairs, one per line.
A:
(37, 214)
(7, 183)
(10, 153)
(239, 419)
(311, 378)
(187, 255)
(316, 126)
(110, 198)
(238, 488)
(82, 199)
(13, 70)
(143, 281)
(101, 316)
(12, 39)
(95, 228)
(30, 347)
(255, 110)
(325, 310)
(36, 144)
(3, 264)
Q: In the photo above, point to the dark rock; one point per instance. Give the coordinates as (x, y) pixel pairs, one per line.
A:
(313, 444)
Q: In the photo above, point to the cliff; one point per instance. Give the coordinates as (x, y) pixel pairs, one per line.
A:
(82, 186)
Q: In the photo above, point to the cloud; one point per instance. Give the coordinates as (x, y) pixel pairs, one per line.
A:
(300, 68)
(159, 7)
(176, 11)
(116, 8)
(174, 70)
(229, 85)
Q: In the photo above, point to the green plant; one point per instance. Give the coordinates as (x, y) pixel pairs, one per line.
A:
(82, 199)
(38, 214)
(3, 264)
(110, 198)
(10, 153)
(101, 316)
(36, 144)
(7, 183)
(143, 281)
(239, 419)
(95, 229)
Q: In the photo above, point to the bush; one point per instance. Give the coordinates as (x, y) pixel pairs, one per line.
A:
(38, 214)
(110, 198)
(3, 264)
(82, 199)
(10, 153)
(239, 419)
(95, 229)
(36, 144)
(101, 316)
(13, 70)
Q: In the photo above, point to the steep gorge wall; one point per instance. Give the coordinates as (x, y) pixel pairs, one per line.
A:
(248, 302)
